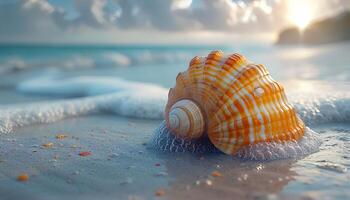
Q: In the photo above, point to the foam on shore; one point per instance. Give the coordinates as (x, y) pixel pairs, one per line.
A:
(143, 100)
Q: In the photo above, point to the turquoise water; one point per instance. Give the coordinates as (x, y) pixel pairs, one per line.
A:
(328, 62)
(132, 82)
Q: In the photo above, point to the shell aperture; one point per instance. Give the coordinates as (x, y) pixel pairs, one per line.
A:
(233, 101)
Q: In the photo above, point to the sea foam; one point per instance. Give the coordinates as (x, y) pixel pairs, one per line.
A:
(99, 95)
(164, 141)
(144, 100)
(111, 94)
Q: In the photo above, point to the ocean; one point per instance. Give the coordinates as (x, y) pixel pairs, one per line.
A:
(109, 100)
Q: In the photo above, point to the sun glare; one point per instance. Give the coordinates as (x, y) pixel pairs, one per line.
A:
(300, 13)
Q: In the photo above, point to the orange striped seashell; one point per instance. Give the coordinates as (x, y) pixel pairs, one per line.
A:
(232, 101)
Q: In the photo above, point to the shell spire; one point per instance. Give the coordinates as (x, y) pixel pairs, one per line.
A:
(186, 119)
(231, 100)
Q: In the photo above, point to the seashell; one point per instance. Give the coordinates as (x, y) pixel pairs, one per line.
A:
(233, 102)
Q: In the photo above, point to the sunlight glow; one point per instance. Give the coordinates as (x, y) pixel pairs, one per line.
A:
(300, 13)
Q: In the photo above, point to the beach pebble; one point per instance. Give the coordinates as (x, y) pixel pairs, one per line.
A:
(216, 174)
(209, 182)
(23, 177)
(159, 192)
(60, 136)
(47, 145)
(85, 153)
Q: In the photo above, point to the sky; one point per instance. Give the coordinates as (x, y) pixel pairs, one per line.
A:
(156, 21)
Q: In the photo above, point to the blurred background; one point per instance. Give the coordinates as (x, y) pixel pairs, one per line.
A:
(152, 40)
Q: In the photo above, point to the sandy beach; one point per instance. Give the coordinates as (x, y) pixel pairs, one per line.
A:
(122, 166)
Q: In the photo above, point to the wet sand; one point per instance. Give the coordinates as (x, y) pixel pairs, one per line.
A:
(122, 166)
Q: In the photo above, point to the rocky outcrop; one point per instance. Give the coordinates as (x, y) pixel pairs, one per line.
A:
(333, 29)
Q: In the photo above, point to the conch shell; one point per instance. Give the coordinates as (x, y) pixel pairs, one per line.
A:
(233, 102)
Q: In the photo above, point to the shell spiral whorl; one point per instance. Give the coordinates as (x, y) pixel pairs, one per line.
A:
(186, 119)
(231, 100)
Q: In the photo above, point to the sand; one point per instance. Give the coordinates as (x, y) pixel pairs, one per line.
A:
(122, 166)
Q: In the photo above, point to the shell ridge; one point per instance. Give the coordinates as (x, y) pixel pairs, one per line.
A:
(248, 116)
(241, 86)
(283, 104)
(249, 101)
(236, 90)
(284, 114)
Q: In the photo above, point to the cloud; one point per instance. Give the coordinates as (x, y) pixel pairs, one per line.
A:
(185, 15)
(91, 12)
(21, 18)
(47, 20)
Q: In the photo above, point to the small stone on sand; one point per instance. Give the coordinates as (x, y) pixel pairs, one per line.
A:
(47, 145)
(23, 177)
(60, 136)
(216, 174)
(209, 182)
(85, 153)
(160, 192)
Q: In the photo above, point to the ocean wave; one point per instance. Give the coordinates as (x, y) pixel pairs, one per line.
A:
(323, 108)
(138, 100)
(18, 64)
(97, 60)
(12, 65)
(54, 84)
